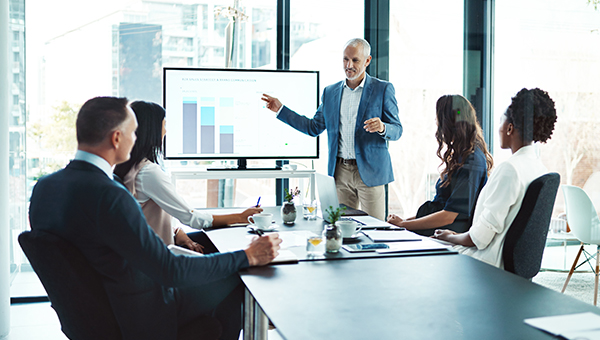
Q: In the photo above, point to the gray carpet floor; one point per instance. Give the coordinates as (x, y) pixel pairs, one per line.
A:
(581, 285)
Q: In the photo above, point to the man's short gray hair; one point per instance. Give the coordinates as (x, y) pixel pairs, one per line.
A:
(362, 42)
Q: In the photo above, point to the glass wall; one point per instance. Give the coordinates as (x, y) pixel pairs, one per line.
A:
(319, 30)
(16, 127)
(78, 50)
(119, 48)
(426, 62)
(554, 45)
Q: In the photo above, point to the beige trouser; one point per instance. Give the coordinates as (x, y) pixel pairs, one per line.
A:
(352, 191)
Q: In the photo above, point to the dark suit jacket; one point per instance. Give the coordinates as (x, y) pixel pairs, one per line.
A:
(372, 157)
(101, 218)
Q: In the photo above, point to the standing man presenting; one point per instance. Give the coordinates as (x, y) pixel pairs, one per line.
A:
(360, 115)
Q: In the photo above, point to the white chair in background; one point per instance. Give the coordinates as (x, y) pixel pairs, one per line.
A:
(585, 225)
(592, 189)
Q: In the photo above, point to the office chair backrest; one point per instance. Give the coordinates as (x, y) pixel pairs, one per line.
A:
(581, 215)
(74, 287)
(77, 294)
(526, 237)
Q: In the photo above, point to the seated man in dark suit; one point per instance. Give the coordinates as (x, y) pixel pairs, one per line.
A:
(152, 292)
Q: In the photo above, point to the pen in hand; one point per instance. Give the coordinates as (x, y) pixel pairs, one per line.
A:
(259, 232)
(258, 202)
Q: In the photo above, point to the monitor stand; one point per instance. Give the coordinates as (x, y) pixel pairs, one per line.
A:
(242, 165)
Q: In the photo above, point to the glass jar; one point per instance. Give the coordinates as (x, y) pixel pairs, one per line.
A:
(288, 212)
(333, 238)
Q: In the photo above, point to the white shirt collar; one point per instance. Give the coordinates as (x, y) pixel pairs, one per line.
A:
(96, 160)
(527, 150)
(362, 83)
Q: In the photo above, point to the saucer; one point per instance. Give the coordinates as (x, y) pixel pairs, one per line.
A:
(352, 239)
(252, 228)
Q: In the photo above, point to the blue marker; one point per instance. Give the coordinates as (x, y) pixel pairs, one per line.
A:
(258, 202)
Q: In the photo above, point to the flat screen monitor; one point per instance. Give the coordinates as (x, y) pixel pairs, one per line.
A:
(219, 114)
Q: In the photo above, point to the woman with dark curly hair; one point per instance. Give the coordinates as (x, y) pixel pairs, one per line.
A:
(466, 164)
(529, 118)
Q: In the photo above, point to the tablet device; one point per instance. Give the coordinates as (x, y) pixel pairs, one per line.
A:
(357, 248)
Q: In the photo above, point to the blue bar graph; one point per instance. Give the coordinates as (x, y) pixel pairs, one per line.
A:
(190, 122)
(226, 138)
(207, 129)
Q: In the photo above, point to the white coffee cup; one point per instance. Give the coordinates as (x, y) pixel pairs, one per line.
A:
(349, 228)
(261, 221)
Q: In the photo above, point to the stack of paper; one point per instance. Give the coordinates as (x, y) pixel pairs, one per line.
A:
(402, 247)
(285, 255)
(177, 250)
(572, 326)
(392, 236)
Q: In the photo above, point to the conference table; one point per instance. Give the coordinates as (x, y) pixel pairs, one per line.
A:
(421, 295)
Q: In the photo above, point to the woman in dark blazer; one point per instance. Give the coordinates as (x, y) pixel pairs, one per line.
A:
(466, 162)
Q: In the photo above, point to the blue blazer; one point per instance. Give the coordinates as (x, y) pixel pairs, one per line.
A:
(372, 157)
(100, 217)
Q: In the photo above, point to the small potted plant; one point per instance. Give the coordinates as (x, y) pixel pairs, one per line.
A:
(332, 233)
(288, 209)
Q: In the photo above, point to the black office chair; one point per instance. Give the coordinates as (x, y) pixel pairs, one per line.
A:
(526, 237)
(77, 294)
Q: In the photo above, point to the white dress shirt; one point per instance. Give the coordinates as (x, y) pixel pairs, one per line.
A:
(96, 160)
(153, 183)
(348, 114)
(499, 202)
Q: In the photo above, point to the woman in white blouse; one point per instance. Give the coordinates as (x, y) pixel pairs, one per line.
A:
(153, 189)
(529, 118)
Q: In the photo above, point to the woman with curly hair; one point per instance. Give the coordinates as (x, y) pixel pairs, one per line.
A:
(466, 161)
(529, 118)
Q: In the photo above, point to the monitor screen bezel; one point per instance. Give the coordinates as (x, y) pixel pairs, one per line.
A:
(201, 69)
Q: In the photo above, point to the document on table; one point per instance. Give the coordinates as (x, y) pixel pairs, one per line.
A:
(289, 239)
(392, 236)
(295, 238)
(177, 250)
(570, 326)
(285, 255)
(402, 247)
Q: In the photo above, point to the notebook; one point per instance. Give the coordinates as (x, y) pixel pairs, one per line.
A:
(402, 247)
(328, 197)
(285, 255)
(392, 236)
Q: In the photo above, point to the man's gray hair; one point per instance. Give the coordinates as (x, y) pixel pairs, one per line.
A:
(362, 42)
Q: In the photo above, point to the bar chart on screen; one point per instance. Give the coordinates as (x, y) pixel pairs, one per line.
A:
(219, 114)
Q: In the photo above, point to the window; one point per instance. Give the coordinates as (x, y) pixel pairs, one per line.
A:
(190, 15)
(317, 37)
(220, 26)
(16, 120)
(426, 62)
(204, 9)
(557, 51)
(317, 41)
(133, 43)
